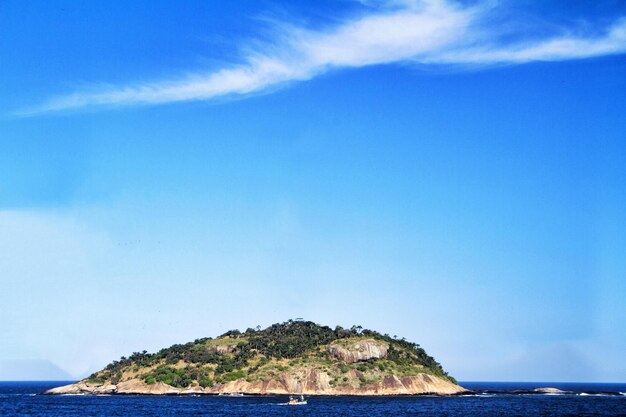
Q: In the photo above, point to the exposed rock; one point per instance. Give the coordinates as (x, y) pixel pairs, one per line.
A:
(361, 350)
(316, 382)
(136, 386)
(83, 388)
(196, 390)
(548, 390)
(221, 349)
(307, 381)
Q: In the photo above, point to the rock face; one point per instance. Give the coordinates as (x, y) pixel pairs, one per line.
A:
(306, 381)
(362, 350)
(221, 349)
(549, 390)
(83, 388)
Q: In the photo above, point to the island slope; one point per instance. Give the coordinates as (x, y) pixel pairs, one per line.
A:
(294, 357)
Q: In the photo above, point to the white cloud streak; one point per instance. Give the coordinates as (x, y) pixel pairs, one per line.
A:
(412, 31)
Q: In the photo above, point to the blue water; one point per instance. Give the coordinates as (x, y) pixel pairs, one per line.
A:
(21, 399)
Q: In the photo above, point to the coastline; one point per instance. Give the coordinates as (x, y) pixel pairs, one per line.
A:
(470, 388)
(315, 385)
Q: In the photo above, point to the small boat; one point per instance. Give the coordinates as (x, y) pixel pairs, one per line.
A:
(297, 401)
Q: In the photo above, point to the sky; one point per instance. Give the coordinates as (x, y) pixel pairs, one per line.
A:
(452, 172)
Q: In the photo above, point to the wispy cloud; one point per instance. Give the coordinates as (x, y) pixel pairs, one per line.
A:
(566, 47)
(410, 31)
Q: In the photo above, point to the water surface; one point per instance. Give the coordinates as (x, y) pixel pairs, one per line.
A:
(22, 399)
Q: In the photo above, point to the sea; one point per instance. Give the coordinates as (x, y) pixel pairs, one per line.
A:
(488, 399)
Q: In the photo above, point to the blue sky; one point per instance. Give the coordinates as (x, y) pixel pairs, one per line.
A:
(450, 172)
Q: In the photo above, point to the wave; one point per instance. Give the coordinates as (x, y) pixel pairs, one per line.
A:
(532, 393)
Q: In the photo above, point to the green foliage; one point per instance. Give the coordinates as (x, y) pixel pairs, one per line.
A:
(171, 376)
(233, 376)
(223, 368)
(363, 381)
(99, 377)
(116, 377)
(206, 382)
(290, 339)
(232, 334)
(230, 376)
(413, 355)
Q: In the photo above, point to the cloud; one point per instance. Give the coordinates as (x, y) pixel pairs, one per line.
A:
(411, 31)
(566, 47)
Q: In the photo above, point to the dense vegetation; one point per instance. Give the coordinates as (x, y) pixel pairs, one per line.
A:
(237, 354)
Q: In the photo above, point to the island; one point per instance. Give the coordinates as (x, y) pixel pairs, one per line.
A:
(294, 357)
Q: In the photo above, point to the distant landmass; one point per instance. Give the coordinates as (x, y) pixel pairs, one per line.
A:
(294, 357)
(31, 370)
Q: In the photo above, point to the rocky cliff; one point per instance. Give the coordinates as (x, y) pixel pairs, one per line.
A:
(295, 357)
(314, 383)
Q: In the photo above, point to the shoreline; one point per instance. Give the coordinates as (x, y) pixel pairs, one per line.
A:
(469, 393)
(420, 384)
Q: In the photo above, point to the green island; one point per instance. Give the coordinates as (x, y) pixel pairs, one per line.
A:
(294, 357)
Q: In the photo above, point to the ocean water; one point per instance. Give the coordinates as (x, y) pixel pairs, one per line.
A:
(22, 399)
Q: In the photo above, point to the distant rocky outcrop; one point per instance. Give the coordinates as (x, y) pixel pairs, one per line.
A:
(548, 390)
(31, 370)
